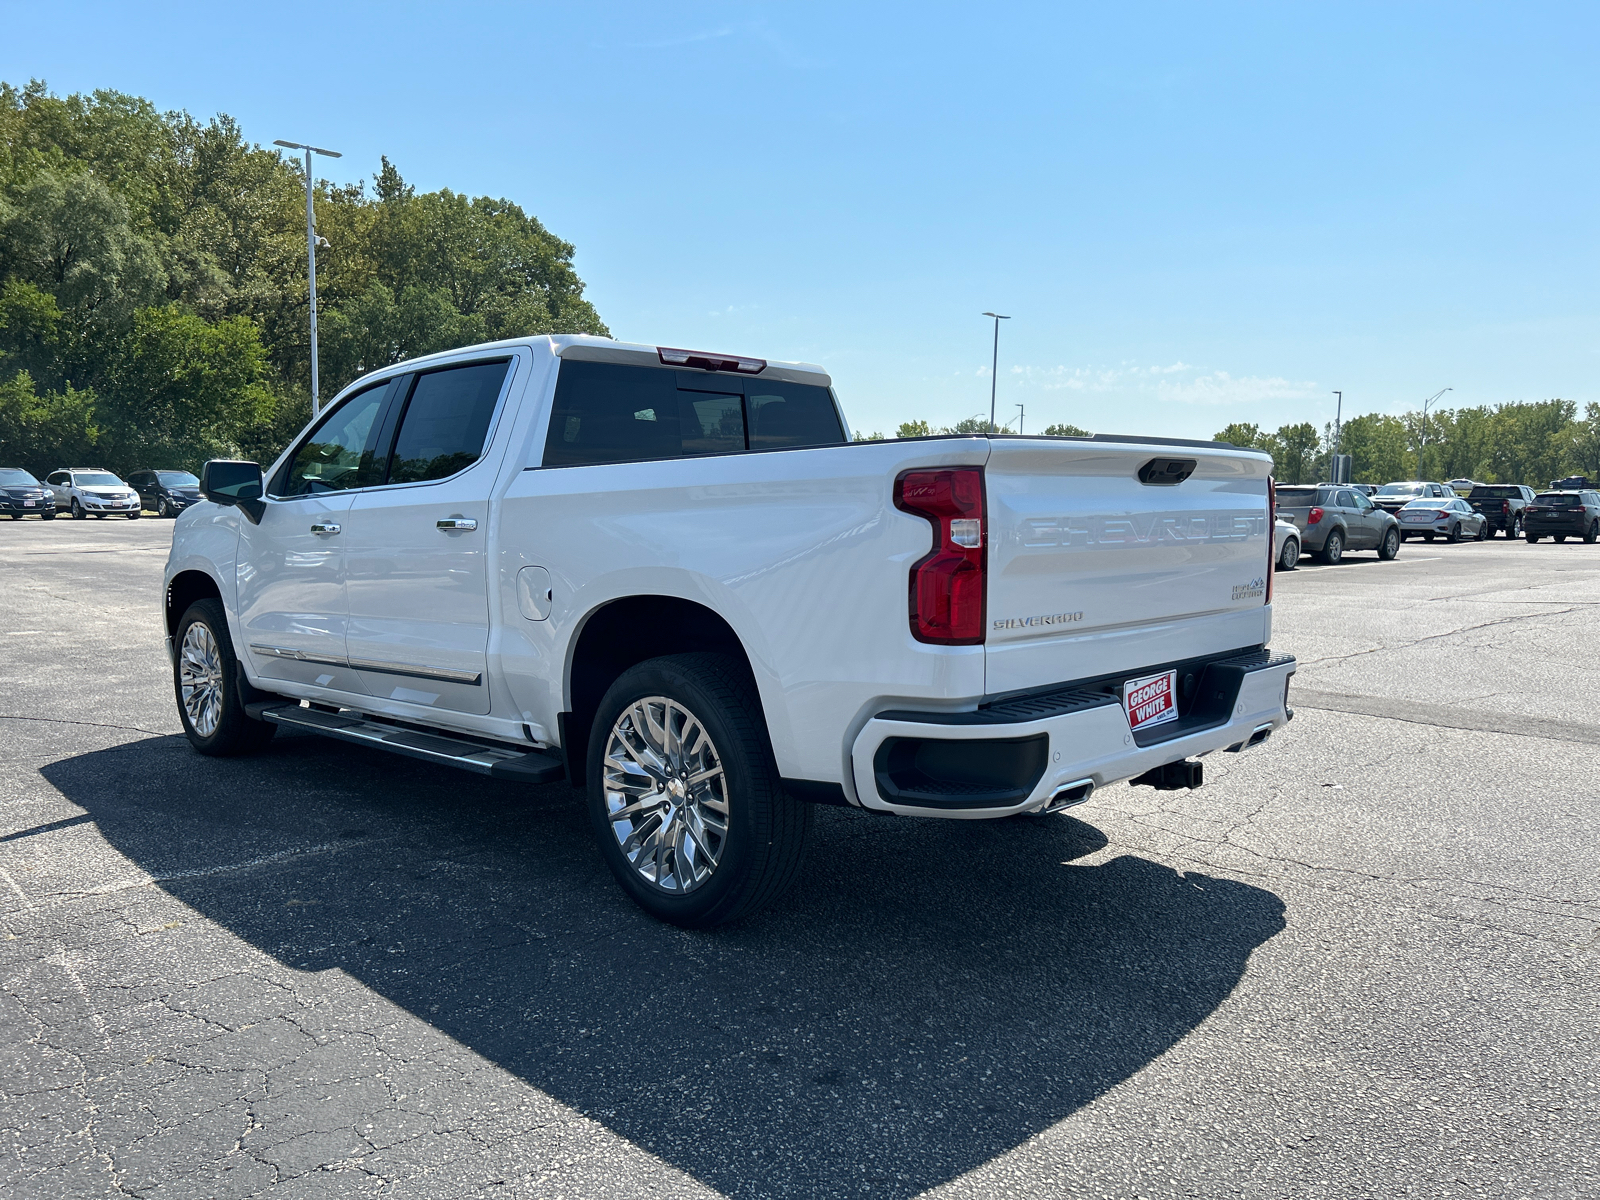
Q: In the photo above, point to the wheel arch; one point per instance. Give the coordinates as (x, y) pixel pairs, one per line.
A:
(621, 633)
(183, 589)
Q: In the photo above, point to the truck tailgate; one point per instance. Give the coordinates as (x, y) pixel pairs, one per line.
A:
(1092, 571)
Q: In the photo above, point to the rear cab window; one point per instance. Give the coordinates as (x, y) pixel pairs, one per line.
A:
(616, 412)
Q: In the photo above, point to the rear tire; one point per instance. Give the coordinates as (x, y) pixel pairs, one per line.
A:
(205, 680)
(1484, 531)
(1427, 537)
(756, 855)
(1560, 537)
(1290, 555)
(1390, 546)
(1455, 533)
(1333, 549)
(1531, 538)
(1592, 532)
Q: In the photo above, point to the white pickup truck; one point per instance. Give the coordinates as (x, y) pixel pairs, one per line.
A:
(671, 579)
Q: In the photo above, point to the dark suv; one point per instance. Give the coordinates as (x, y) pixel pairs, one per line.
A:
(1563, 515)
(168, 492)
(21, 495)
(1502, 503)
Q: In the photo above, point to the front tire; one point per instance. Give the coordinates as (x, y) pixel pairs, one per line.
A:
(1333, 548)
(1290, 554)
(1560, 537)
(1390, 546)
(684, 795)
(1531, 538)
(163, 509)
(48, 516)
(205, 678)
(1592, 533)
(77, 510)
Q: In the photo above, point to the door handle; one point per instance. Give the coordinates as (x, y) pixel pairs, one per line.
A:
(324, 527)
(451, 524)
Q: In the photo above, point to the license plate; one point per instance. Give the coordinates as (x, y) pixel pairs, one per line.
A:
(1152, 700)
(1414, 517)
(28, 503)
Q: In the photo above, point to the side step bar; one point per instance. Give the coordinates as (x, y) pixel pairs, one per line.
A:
(485, 758)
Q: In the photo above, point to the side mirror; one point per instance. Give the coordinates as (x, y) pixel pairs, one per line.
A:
(232, 482)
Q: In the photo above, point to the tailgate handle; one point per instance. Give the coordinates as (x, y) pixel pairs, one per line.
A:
(1164, 472)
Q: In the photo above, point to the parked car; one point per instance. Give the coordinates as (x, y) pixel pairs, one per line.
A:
(1572, 483)
(1285, 543)
(671, 578)
(91, 491)
(1453, 519)
(1562, 515)
(1366, 489)
(1502, 504)
(1334, 518)
(21, 495)
(166, 492)
(1392, 497)
(1462, 487)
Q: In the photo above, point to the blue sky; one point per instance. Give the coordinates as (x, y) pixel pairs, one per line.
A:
(1195, 213)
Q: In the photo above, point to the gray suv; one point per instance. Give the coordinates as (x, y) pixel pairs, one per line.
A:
(1333, 518)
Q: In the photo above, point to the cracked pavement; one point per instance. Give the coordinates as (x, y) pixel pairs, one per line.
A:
(1360, 962)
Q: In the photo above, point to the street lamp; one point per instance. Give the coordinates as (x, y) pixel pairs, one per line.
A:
(1021, 413)
(995, 366)
(311, 251)
(1422, 450)
(1338, 423)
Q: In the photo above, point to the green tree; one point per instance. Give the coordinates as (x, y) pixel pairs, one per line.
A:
(1062, 430)
(43, 432)
(910, 429)
(1240, 433)
(185, 390)
(1295, 453)
(975, 424)
(1376, 444)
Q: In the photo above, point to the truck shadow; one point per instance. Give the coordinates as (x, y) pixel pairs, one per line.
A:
(932, 995)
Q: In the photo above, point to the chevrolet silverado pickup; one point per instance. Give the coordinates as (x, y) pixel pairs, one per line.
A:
(671, 579)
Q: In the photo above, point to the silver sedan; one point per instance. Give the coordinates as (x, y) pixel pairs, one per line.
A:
(1454, 520)
(1285, 544)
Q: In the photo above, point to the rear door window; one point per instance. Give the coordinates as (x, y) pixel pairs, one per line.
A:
(614, 412)
(446, 421)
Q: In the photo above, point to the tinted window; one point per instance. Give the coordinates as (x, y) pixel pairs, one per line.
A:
(1496, 491)
(1347, 499)
(1556, 500)
(60, 478)
(177, 479)
(1296, 497)
(610, 412)
(339, 453)
(446, 421)
(790, 414)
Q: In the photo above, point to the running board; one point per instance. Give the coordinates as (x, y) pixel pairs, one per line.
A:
(499, 761)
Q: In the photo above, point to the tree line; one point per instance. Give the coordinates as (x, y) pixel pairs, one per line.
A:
(153, 283)
(1530, 442)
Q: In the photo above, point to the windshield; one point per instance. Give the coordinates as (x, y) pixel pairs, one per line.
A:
(16, 477)
(1400, 489)
(1296, 497)
(177, 479)
(1496, 492)
(95, 479)
(1559, 500)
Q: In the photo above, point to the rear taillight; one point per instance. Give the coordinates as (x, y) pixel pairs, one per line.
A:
(1272, 532)
(1505, 508)
(947, 584)
(1313, 516)
(1440, 514)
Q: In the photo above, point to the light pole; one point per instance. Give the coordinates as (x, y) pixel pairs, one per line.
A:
(1422, 450)
(1338, 423)
(994, 367)
(1021, 414)
(311, 252)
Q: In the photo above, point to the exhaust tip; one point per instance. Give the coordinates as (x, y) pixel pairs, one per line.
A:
(1069, 795)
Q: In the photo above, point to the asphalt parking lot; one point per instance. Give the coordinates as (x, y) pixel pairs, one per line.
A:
(1360, 962)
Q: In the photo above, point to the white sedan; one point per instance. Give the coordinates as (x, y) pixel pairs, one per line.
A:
(85, 491)
(1285, 544)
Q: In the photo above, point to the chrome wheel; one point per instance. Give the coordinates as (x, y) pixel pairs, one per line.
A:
(200, 679)
(666, 794)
